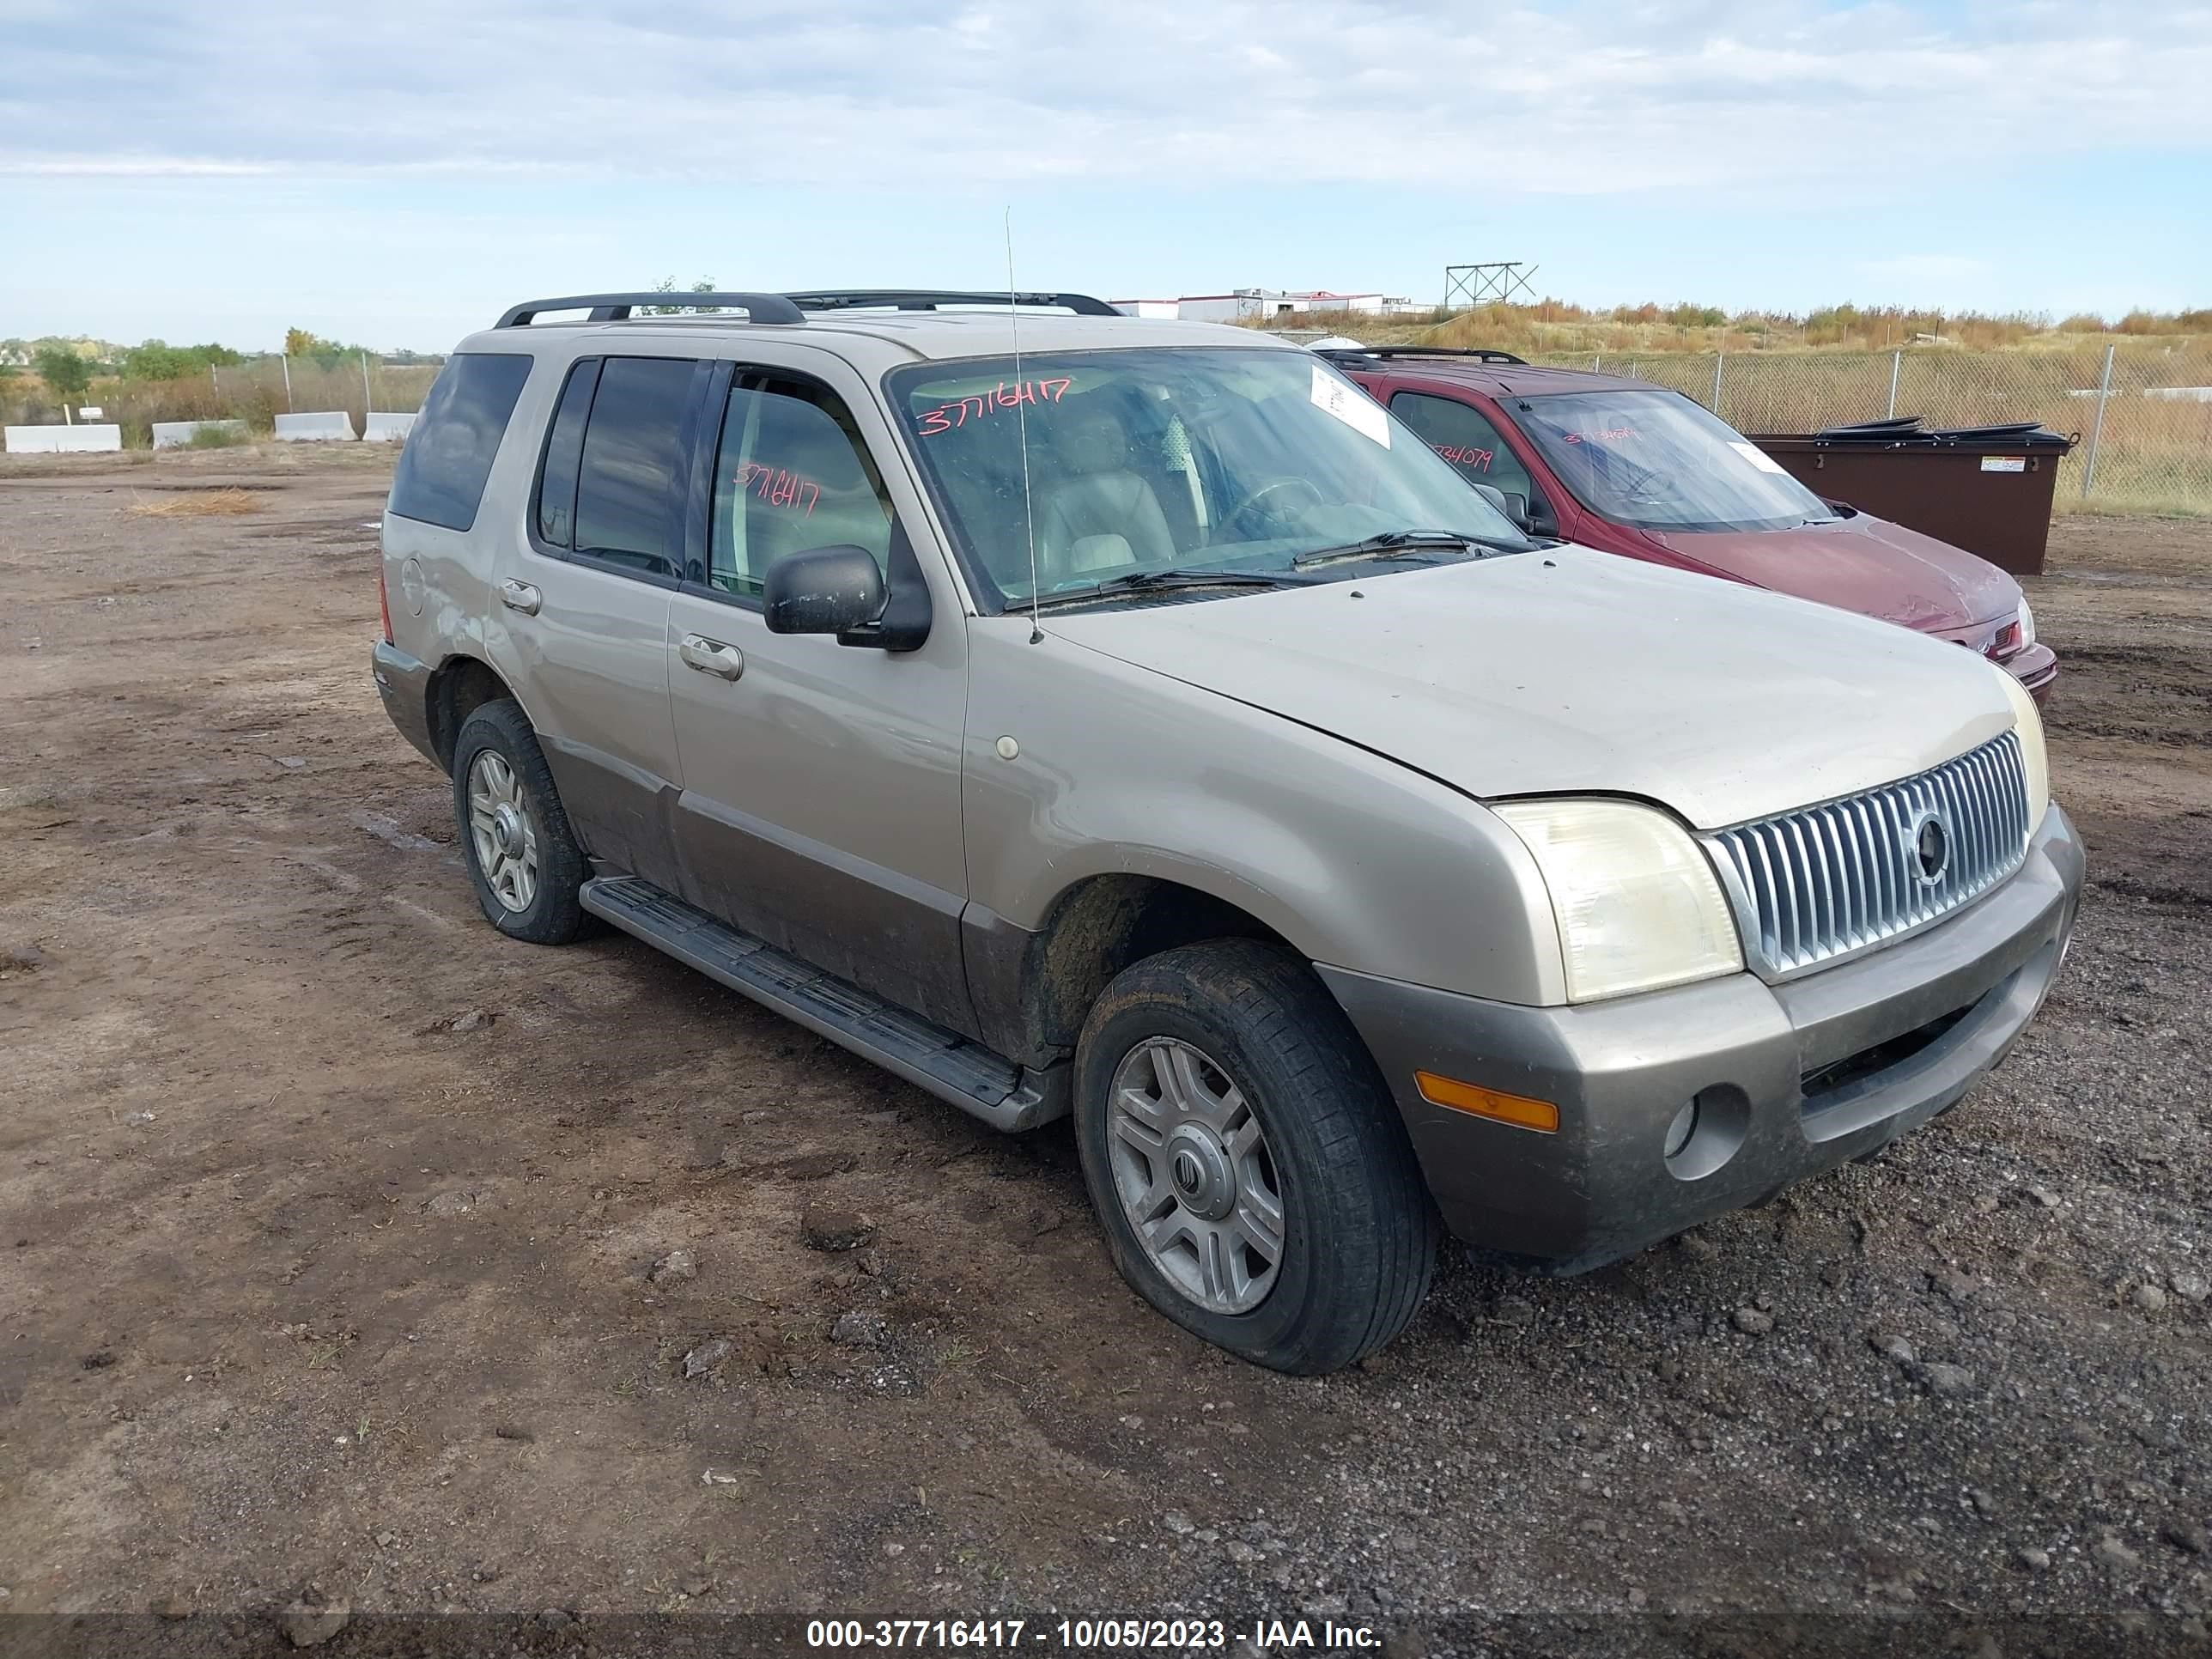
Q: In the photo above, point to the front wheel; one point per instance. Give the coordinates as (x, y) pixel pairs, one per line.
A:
(521, 854)
(1251, 1173)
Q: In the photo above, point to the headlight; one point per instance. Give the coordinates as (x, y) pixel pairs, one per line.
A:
(1635, 900)
(2034, 760)
(2027, 624)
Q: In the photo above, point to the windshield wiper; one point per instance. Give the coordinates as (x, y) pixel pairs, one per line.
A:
(1407, 544)
(1141, 581)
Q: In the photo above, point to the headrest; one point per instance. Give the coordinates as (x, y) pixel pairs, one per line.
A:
(1107, 552)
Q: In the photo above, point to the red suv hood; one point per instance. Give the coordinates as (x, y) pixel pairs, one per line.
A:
(1860, 563)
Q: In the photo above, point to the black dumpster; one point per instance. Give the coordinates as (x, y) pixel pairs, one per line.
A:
(1986, 488)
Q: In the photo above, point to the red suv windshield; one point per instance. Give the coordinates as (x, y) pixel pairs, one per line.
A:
(1657, 461)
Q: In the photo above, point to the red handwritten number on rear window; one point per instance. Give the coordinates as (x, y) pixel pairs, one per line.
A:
(1000, 397)
(779, 487)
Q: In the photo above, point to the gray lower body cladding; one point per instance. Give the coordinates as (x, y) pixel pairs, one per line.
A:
(404, 686)
(1790, 1079)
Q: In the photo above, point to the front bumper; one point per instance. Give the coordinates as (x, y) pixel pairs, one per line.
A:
(403, 684)
(2035, 668)
(1791, 1079)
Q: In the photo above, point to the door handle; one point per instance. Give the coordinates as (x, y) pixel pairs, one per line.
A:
(520, 596)
(711, 656)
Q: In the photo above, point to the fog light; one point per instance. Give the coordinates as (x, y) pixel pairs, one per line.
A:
(1708, 1131)
(1679, 1131)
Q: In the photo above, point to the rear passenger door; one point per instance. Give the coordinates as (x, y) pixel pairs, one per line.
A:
(587, 602)
(821, 801)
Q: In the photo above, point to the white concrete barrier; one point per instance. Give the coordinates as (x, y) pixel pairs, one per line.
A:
(2182, 394)
(386, 429)
(323, 427)
(62, 439)
(176, 434)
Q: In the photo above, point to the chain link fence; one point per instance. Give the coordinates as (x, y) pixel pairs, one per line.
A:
(2143, 414)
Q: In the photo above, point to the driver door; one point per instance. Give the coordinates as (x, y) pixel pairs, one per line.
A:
(821, 803)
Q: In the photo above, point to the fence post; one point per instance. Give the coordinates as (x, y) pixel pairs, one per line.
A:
(1594, 361)
(1719, 357)
(1896, 363)
(367, 402)
(2103, 392)
(287, 362)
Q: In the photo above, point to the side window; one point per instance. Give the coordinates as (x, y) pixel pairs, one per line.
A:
(1465, 437)
(564, 453)
(631, 474)
(442, 472)
(793, 473)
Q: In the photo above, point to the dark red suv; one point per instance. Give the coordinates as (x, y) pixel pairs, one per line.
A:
(1634, 469)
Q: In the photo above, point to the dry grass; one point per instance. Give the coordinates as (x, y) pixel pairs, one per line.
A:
(201, 504)
(1557, 327)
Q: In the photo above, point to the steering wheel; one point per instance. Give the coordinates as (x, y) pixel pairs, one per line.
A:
(1233, 518)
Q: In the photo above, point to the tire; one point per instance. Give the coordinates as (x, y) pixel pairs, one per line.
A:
(1358, 1237)
(494, 740)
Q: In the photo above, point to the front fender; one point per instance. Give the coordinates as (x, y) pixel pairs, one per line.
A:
(1358, 861)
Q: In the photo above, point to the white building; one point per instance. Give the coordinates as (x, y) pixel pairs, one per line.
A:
(1243, 304)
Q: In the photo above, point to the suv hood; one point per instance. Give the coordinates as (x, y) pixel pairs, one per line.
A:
(1572, 672)
(1860, 563)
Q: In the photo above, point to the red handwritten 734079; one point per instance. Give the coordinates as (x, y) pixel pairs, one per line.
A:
(1477, 459)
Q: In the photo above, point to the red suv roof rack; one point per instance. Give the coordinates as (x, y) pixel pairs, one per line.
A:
(1479, 353)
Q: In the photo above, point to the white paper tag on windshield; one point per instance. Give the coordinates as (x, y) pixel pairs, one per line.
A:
(1758, 457)
(1351, 405)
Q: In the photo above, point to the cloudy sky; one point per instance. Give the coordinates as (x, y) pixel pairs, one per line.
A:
(397, 170)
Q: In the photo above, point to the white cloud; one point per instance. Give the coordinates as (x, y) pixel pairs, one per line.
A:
(1700, 94)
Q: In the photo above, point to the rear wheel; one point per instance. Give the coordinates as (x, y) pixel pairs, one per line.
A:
(521, 854)
(1248, 1165)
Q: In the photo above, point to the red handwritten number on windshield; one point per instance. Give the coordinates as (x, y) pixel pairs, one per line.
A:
(1000, 397)
(778, 487)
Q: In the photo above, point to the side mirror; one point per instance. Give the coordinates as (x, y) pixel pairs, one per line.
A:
(1515, 507)
(825, 590)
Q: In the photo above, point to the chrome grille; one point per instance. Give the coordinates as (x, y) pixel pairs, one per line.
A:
(1827, 882)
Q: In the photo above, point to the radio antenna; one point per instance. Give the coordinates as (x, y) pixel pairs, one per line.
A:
(1022, 435)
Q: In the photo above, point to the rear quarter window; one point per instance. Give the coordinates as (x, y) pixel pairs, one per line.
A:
(442, 472)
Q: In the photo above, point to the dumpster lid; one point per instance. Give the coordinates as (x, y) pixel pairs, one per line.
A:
(1910, 432)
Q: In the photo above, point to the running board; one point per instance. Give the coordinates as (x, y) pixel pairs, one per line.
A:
(973, 1078)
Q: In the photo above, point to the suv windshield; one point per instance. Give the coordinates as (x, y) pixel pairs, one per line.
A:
(1218, 461)
(1657, 461)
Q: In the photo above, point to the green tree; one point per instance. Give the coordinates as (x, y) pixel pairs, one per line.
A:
(667, 285)
(157, 359)
(66, 374)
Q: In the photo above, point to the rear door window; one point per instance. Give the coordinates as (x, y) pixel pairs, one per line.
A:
(1466, 437)
(564, 453)
(631, 478)
(442, 472)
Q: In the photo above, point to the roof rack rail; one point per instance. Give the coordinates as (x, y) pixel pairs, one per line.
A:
(929, 299)
(617, 307)
(1481, 353)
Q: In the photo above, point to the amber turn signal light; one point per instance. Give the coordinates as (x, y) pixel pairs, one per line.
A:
(1473, 1098)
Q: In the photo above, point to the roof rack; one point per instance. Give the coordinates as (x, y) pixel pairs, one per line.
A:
(930, 299)
(616, 307)
(1481, 353)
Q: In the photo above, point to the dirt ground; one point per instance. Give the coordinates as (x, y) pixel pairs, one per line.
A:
(328, 1217)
